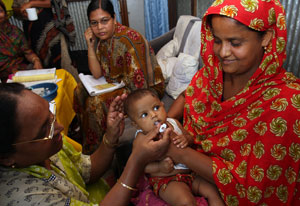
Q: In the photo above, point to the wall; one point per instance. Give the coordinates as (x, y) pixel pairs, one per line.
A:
(183, 8)
(292, 9)
(136, 15)
(202, 6)
(81, 23)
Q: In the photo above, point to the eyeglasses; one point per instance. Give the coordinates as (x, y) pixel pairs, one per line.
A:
(51, 133)
(103, 21)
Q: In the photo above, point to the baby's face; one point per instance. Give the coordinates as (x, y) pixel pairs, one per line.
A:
(148, 112)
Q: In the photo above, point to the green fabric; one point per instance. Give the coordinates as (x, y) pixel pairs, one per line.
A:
(71, 167)
(97, 191)
(70, 158)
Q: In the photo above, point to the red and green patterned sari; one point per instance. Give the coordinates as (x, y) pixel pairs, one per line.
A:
(253, 138)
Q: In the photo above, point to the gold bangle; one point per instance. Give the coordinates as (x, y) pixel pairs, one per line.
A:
(107, 143)
(126, 186)
(92, 56)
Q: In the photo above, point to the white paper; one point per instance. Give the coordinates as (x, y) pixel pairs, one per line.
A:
(89, 82)
(33, 72)
(29, 84)
(52, 106)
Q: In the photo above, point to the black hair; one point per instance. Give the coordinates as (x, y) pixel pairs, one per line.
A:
(209, 23)
(3, 6)
(9, 126)
(105, 5)
(135, 95)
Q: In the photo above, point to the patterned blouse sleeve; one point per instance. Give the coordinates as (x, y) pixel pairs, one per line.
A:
(18, 188)
(140, 66)
(23, 45)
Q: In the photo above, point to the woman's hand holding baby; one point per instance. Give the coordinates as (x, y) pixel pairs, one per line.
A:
(150, 147)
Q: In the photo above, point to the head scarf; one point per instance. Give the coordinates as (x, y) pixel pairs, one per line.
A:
(243, 133)
(256, 14)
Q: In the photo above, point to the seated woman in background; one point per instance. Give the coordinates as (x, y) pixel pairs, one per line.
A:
(51, 35)
(15, 53)
(119, 54)
(39, 167)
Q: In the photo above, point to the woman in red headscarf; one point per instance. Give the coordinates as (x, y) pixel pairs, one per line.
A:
(243, 108)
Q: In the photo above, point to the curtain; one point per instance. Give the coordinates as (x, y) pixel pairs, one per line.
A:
(156, 18)
(117, 9)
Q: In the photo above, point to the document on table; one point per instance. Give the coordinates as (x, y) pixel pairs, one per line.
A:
(34, 75)
(98, 86)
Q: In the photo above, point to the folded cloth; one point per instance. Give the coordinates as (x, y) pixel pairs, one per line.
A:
(183, 72)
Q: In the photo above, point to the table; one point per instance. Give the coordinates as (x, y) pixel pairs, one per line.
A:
(64, 99)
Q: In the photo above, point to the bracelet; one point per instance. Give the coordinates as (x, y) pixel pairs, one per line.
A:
(92, 56)
(34, 59)
(107, 143)
(126, 186)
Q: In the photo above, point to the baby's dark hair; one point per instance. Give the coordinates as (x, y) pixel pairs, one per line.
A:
(135, 95)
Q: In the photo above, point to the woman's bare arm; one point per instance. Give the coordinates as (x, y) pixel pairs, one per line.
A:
(93, 62)
(176, 109)
(187, 135)
(101, 159)
(35, 60)
(20, 11)
(40, 3)
(196, 161)
(145, 150)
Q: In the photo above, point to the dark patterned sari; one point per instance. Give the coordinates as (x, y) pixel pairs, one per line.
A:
(13, 47)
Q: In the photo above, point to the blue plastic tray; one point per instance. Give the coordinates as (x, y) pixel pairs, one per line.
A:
(50, 90)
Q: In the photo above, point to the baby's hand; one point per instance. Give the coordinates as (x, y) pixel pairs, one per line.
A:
(166, 165)
(180, 141)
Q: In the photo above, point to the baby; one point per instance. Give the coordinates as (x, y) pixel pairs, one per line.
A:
(173, 183)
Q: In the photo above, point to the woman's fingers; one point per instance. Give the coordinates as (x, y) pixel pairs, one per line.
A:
(117, 104)
(89, 36)
(149, 147)
(115, 116)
